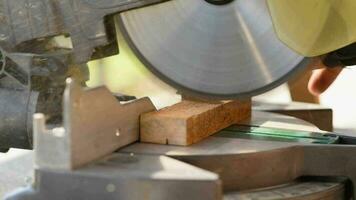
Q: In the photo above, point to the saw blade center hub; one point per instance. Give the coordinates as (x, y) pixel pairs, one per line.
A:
(219, 2)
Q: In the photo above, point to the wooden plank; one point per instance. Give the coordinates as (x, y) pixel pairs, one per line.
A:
(189, 122)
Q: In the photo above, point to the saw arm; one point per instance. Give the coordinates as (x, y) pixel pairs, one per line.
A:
(84, 21)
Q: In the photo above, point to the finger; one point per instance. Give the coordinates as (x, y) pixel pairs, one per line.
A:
(316, 63)
(321, 79)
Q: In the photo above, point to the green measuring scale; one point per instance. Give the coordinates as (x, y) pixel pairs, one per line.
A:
(277, 134)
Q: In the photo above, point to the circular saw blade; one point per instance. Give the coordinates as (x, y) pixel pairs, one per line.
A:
(206, 50)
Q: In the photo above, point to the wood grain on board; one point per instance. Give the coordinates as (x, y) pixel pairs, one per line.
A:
(189, 122)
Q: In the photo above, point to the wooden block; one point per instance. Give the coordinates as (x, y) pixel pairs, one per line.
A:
(189, 122)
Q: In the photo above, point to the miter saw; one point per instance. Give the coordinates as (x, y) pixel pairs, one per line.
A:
(209, 49)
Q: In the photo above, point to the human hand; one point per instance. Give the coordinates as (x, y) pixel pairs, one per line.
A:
(322, 76)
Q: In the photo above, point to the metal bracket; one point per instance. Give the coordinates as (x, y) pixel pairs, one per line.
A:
(95, 124)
